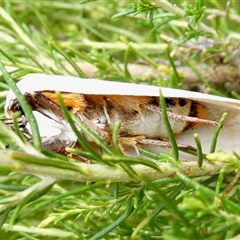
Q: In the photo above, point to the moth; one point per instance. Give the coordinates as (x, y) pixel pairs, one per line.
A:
(101, 104)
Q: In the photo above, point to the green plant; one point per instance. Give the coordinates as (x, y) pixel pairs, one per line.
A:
(191, 45)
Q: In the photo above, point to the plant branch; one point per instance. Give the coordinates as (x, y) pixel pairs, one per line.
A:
(99, 172)
(55, 232)
(178, 12)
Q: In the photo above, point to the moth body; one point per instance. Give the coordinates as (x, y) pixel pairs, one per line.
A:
(101, 104)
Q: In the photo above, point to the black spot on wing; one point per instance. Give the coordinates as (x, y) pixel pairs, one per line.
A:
(194, 109)
(192, 113)
(182, 102)
(170, 102)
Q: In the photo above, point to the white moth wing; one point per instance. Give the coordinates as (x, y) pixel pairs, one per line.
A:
(229, 136)
(40, 82)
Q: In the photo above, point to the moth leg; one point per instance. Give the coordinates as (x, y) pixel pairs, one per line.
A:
(103, 134)
(165, 144)
(136, 141)
(125, 142)
(21, 122)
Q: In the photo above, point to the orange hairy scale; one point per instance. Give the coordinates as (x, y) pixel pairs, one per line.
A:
(79, 102)
(128, 106)
(127, 103)
(118, 102)
(73, 101)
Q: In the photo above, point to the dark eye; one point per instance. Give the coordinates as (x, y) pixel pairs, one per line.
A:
(15, 106)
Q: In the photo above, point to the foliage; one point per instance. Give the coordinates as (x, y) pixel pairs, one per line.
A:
(109, 40)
